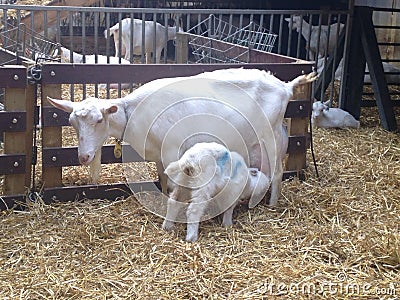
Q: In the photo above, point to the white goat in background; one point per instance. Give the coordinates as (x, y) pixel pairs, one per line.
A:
(325, 117)
(297, 23)
(207, 175)
(153, 32)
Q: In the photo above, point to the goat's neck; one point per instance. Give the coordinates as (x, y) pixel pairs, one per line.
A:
(171, 33)
(305, 29)
(118, 120)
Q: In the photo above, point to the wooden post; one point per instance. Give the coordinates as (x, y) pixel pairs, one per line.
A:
(298, 126)
(51, 137)
(182, 43)
(14, 142)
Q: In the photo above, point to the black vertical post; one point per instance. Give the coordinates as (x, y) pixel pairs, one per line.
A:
(372, 55)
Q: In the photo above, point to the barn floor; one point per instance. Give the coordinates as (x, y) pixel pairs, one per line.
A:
(335, 237)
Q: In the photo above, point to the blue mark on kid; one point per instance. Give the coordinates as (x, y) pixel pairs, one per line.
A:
(223, 160)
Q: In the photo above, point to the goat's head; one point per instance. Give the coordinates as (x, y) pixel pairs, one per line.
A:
(319, 107)
(294, 22)
(90, 119)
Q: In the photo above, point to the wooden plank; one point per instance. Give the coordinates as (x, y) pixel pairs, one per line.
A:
(297, 144)
(299, 127)
(12, 121)
(106, 191)
(12, 164)
(298, 109)
(14, 142)
(373, 58)
(51, 137)
(12, 202)
(53, 73)
(182, 50)
(52, 116)
(68, 156)
(13, 76)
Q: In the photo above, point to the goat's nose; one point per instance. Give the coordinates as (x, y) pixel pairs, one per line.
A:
(83, 159)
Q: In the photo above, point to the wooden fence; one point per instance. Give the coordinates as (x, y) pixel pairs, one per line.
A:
(21, 97)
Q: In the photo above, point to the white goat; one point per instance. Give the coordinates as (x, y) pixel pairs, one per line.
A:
(153, 32)
(65, 55)
(167, 116)
(325, 117)
(209, 175)
(312, 38)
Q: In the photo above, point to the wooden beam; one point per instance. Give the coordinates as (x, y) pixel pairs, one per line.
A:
(51, 137)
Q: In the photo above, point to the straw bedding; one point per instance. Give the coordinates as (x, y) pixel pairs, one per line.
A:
(335, 237)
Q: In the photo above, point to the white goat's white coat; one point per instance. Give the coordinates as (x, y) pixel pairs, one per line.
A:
(93, 59)
(209, 172)
(150, 114)
(151, 33)
(325, 117)
(299, 23)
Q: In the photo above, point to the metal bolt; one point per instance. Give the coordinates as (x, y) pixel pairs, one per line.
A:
(55, 116)
(52, 73)
(301, 107)
(16, 77)
(54, 158)
(298, 144)
(54, 198)
(14, 121)
(16, 164)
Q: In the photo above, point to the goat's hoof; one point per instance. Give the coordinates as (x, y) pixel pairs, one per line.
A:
(168, 225)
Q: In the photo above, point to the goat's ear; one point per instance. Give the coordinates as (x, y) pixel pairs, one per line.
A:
(111, 110)
(327, 102)
(287, 20)
(64, 105)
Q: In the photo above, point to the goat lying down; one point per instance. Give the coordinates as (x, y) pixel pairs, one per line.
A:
(324, 117)
(165, 117)
(209, 175)
(65, 55)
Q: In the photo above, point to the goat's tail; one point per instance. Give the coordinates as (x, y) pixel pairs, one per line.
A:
(113, 29)
(303, 79)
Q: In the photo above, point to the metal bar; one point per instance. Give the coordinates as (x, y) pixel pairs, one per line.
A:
(163, 10)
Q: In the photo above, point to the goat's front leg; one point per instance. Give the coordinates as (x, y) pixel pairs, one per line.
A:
(158, 55)
(194, 213)
(172, 212)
